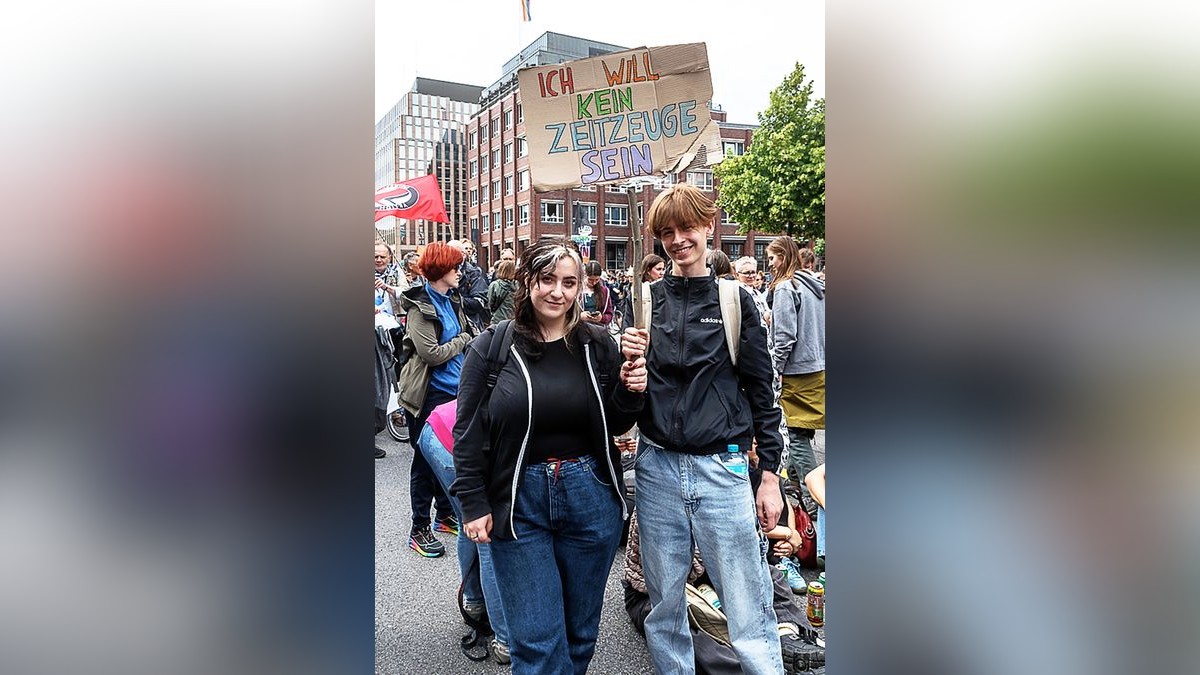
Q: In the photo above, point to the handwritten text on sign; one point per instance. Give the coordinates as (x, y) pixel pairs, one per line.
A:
(608, 118)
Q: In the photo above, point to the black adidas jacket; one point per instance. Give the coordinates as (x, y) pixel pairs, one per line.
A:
(490, 437)
(697, 402)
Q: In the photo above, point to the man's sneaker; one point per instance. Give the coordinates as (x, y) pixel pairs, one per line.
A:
(791, 572)
(800, 655)
(380, 453)
(401, 424)
(501, 653)
(422, 541)
(449, 525)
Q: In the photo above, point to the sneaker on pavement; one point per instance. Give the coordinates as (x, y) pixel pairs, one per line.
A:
(791, 572)
(501, 653)
(401, 425)
(449, 525)
(380, 453)
(800, 655)
(422, 541)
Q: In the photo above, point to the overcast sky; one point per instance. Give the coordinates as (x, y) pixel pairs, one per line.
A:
(750, 48)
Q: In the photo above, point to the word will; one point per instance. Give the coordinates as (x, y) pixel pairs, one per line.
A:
(628, 71)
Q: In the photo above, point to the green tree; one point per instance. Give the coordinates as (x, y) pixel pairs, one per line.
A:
(779, 184)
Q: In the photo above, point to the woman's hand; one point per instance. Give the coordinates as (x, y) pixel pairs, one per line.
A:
(633, 375)
(633, 343)
(479, 530)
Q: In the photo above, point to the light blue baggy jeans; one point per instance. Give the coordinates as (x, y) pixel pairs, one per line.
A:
(696, 499)
(481, 583)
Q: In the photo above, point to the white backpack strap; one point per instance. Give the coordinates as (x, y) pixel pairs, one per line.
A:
(730, 293)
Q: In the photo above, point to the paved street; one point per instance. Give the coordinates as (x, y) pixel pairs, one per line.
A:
(417, 624)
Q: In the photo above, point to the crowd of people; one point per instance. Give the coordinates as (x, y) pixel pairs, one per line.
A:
(550, 430)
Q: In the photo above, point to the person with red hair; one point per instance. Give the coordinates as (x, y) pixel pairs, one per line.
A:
(436, 335)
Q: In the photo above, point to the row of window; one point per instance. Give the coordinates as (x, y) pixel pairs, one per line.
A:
(498, 156)
(481, 136)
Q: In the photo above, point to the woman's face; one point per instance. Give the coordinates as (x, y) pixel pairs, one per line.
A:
(553, 293)
(774, 261)
(658, 271)
(451, 278)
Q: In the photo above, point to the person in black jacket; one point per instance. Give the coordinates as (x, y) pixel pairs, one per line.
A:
(537, 471)
(473, 286)
(702, 413)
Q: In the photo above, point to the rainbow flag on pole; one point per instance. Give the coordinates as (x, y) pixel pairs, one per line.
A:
(525, 15)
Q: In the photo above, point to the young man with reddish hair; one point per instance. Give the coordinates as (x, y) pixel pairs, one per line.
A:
(690, 489)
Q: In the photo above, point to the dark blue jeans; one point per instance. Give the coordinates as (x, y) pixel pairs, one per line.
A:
(423, 486)
(567, 519)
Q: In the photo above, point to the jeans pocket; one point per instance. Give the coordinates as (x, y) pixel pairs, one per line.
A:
(598, 474)
(644, 449)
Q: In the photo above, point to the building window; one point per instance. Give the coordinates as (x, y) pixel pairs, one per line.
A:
(726, 219)
(474, 140)
(523, 181)
(496, 188)
(522, 147)
(474, 225)
(523, 214)
(760, 252)
(508, 119)
(588, 213)
(614, 255)
(733, 249)
(495, 127)
(482, 133)
(666, 181)
(614, 187)
(520, 114)
(495, 220)
(507, 152)
(474, 196)
(734, 147)
(508, 217)
(474, 168)
(496, 159)
(486, 220)
(701, 179)
(508, 184)
(617, 216)
(484, 190)
(483, 163)
(552, 212)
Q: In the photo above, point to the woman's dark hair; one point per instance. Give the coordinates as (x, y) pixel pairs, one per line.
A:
(648, 263)
(538, 259)
(591, 268)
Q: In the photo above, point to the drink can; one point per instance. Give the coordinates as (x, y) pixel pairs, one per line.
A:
(821, 578)
(815, 610)
(710, 594)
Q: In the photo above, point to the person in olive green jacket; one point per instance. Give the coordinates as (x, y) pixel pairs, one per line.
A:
(436, 335)
(500, 292)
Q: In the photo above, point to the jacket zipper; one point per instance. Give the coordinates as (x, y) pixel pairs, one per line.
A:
(677, 423)
(587, 356)
(525, 441)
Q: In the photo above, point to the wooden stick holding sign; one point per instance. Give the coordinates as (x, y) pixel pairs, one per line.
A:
(635, 245)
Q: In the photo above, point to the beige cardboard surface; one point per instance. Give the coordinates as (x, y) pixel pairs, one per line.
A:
(615, 117)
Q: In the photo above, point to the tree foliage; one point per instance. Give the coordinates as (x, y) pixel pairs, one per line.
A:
(778, 185)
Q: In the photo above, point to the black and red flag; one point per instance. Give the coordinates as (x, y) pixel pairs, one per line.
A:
(414, 199)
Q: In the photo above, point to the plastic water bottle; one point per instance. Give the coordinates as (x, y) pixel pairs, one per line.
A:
(734, 461)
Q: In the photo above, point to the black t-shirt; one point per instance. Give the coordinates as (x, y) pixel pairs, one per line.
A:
(562, 395)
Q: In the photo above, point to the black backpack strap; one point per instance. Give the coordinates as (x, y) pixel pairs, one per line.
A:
(498, 351)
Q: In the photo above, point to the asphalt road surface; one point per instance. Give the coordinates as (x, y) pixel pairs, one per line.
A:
(417, 624)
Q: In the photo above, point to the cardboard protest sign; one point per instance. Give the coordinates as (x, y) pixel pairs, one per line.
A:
(610, 118)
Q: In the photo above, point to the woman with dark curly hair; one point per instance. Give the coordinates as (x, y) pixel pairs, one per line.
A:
(535, 464)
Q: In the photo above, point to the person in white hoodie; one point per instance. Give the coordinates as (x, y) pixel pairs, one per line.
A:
(797, 300)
